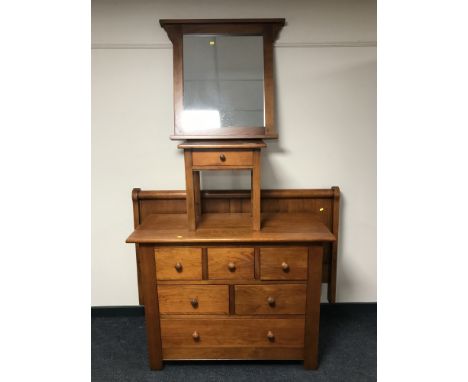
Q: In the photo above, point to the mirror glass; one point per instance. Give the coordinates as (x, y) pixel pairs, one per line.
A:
(223, 81)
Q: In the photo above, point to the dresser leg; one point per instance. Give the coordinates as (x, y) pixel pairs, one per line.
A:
(156, 366)
(312, 316)
(153, 331)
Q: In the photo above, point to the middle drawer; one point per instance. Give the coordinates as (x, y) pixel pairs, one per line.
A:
(193, 299)
(270, 299)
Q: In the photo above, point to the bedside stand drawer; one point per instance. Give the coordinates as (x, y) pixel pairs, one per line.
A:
(283, 263)
(178, 263)
(270, 299)
(193, 299)
(222, 158)
(230, 263)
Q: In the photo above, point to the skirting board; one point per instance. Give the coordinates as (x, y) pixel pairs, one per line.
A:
(139, 310)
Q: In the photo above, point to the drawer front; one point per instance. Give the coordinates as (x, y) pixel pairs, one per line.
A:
(230, 263)
(193, 299)
(222, 158)
(232, 338)
(178, 263)
(283, 263)
(270, 299)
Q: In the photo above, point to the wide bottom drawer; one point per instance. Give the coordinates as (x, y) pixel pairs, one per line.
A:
(233, 338)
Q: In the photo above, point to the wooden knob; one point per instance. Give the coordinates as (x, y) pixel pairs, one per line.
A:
(222, 157)
(270, 335)
(285, 266)
(194, 302)
(232, 266)
(178, 267)
(195, 335)
(271, 301)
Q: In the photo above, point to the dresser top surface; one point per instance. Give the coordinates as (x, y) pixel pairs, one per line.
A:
(231, 228)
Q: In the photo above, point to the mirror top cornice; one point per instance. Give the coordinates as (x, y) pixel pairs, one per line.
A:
(219, 93)
(168, 23)
(163, 22)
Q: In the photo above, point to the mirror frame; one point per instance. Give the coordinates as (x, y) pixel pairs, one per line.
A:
(268, 28)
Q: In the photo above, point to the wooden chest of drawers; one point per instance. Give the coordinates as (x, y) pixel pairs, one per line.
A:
(218, 294)
(232, 302)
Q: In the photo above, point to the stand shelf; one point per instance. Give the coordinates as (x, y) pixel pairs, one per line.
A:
(221, 156)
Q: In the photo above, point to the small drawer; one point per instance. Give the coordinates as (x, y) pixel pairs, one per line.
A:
(232, 338)
(283, 263)
(230, 263)
(178, 263)
(270, 299)
(222, 158)
(193, 299)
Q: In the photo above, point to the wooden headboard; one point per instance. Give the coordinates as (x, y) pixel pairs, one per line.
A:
(324, 203)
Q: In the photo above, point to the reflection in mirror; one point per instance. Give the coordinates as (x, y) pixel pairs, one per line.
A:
(223, 82)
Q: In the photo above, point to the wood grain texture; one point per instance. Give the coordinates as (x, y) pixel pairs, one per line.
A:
(257, 264)
(223, 144)
(232, 332)
(232, 338)
(226, 282)
(204, 264)
(219, 260)
(197, 195)
(189, 184)
(166, 22)
(253, 299)
(231, 317)
(224, 133)
(268, 81)
(231, 228)
(175, 34)
(273, 259)
(189, 258)
(282, 353)
(256, 186)
(312, 317)
(178, 299)
(326, 193)
(223, 158)
(149, 283)
(232, 299)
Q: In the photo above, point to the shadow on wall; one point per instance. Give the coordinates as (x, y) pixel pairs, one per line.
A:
(342, 278)
(269, 173)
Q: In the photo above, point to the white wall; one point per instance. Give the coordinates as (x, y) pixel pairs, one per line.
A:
(326, 100)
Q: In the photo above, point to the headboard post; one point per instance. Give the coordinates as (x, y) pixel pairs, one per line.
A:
(136, 222)
(334, 250)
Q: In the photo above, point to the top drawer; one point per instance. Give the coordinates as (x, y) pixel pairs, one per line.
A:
(222, 158)
(230, 263)
(283, 263)
(178, 263)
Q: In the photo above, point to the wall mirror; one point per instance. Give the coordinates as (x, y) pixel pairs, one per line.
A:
(223, 78)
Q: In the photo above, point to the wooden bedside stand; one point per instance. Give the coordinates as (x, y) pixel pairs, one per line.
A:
(221, 156)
